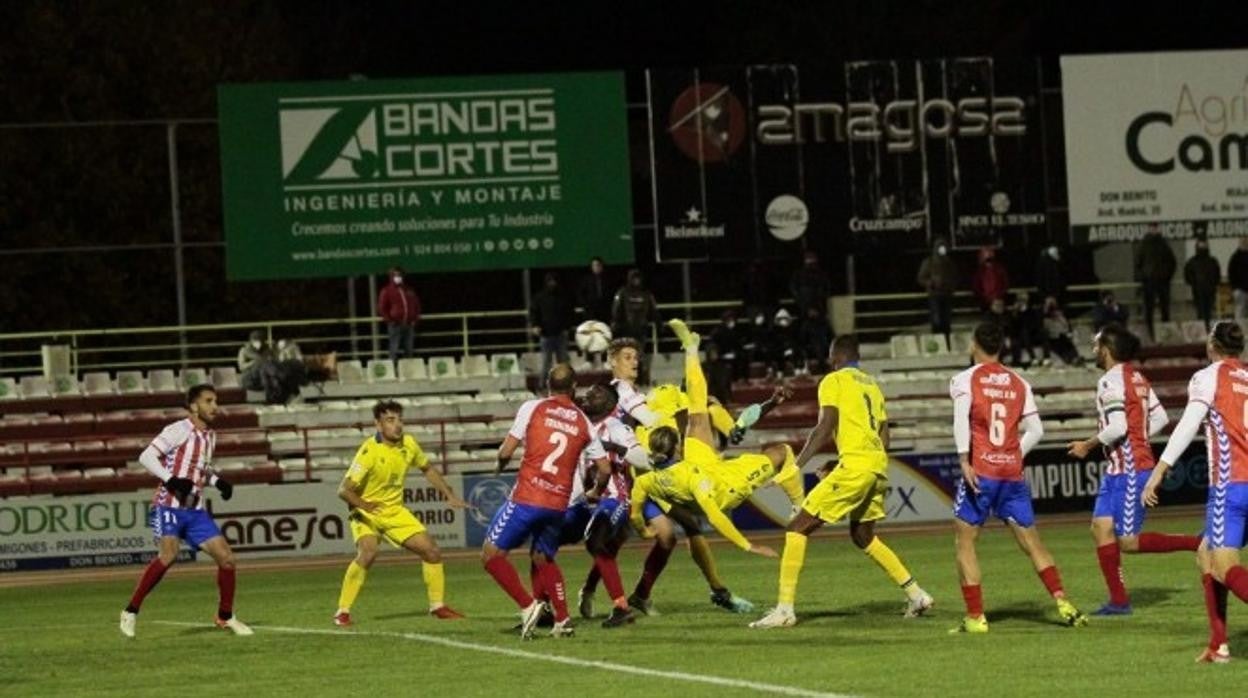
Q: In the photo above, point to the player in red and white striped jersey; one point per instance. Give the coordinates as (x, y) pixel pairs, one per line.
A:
(181, 456)
(1128, 414)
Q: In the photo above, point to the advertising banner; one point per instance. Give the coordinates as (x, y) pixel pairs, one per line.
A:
(445, 174)
(296, 519)
(1156, 141)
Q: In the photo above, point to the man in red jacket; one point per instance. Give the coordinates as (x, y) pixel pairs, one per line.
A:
(991, 282)
(399, 307)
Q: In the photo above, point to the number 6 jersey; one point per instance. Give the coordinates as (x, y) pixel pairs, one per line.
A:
(999, 400)
(554, 432)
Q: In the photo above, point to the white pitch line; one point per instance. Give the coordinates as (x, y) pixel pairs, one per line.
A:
(557, 659)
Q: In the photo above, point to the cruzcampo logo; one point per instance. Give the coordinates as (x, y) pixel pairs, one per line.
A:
(329, 144)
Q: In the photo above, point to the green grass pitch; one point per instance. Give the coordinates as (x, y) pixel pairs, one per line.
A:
(62, 639)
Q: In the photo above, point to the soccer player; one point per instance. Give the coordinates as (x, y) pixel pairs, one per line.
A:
(852, 415)
(604, 525)
(1217, 396)
(181, 456)
(555, 433)
(373, 489)
(1128, 414)
(990, 404)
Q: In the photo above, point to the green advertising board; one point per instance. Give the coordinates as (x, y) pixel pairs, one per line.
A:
(445, 174)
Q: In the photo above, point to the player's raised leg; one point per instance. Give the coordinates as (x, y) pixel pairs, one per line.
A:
(353, 580)
(151, 576)
(224, 557)
(433, 574)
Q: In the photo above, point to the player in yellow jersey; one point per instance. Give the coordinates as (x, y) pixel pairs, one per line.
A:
(373, 487)
(851, 414)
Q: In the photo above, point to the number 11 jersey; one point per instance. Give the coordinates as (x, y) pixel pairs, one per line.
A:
(1000, 399)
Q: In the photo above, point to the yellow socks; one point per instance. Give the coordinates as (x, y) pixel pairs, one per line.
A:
(435, 582)
(888, 561)
(695, 383)
(790, 478)
(791, 567)
(701, 551)
(721, 419)
(352, 582)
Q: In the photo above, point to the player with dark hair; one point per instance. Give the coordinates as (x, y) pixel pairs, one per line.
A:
(1218, 398)
(373, 489)
(556, 435)
(1128, 414)
(851, 415)
(990, 405)
(181, 456)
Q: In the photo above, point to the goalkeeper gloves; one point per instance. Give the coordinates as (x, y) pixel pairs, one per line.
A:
(225, 488)
(180, 487)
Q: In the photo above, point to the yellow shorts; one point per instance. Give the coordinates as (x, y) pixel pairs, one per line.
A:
(394, 524)
(853, 492)
(701, 454)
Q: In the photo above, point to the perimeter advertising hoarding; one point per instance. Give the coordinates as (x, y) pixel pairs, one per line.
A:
(445, 174)
(868, 154)
(1157, 141)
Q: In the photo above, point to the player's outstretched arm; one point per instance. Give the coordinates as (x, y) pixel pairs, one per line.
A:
(505, 452)
(439, 483)
(637, 503)
(723, 524)
(1115, 429)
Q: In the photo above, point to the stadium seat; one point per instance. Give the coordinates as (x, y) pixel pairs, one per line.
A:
(960, 343)
(192, 376)
(1194, 332)
(35, 387)
(443, 367)
(224, 377)
(413, 370)
(476, 366)
(933, 345)
(505, 365)
(8, 389)
(350, 372)
(1168, 333)
(131, 382)
(63, 386)
(162, 380)
(904, 346)
(97, 384)
(380, 370)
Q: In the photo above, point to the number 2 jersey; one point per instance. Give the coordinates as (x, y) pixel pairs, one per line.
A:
(555, 432)
(999, 400)
(1126, 390)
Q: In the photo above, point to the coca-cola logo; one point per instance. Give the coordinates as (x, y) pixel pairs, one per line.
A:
(787, 217)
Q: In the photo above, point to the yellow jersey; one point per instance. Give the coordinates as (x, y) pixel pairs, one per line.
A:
(860, 404)
(739, 478)
(380, 468)
(685, 483)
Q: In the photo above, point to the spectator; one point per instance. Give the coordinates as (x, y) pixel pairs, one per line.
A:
(633, 312)
(939, 277)
(997, 315)
(780, 345)
(758, 291)
(288, 350)
(1057, 330)
(813, 339)
(1049, 278)
(399, 307)
(810, 286)
(551, 315)
(1203, 273)
(257, 366)
(1027, 327)
(730, 341)
(1237, 274)
(1109, 310)
(292, 372)
(1154, 268)
(593, 294)
(991, 282)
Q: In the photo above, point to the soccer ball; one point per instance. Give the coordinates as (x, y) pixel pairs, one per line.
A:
(593, 336)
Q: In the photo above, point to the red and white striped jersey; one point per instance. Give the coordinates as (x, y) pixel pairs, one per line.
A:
(1124, 389)
(999, 400)
(185, 452)
(554, 432)
(629, 399)
(618, 487)
(1223, 388)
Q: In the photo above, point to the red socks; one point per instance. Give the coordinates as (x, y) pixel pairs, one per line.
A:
(151, 576)
(535, 581)
(610, 573)
(1052, 581)
(1111, 568)
(552, 583)
(656, 560)
(225, 586)
(507, 578)
(1237, 581)
(1215, 607)
(1167, 543)
(974, 597)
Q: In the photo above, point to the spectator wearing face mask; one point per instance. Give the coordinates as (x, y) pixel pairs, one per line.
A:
(1108, 311)
(1203, 274)
(1049, 278)
(399, 307)
(938, 275)
(257, 367)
